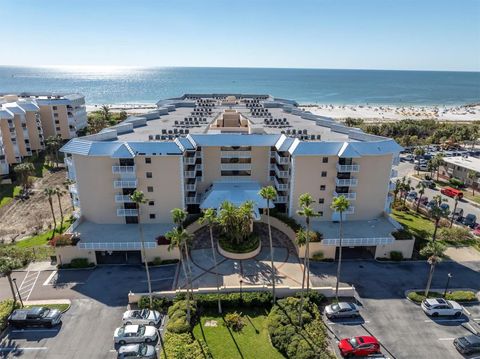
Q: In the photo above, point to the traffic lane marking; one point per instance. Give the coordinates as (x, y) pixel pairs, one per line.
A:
(348, 323)
(19, 349)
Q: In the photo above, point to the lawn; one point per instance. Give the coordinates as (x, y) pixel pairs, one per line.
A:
(252, 342)
(61, 307)
(417, 224)
(8, 193)
(43, 238)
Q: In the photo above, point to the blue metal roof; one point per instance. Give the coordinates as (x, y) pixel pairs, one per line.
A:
(228, 139)
(315, 148)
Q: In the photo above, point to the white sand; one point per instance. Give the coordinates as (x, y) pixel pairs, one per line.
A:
(395, 113)
(131, 109)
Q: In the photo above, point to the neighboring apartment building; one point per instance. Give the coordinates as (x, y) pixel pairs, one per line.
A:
(459, 167)
(27, 119)
(196, 151)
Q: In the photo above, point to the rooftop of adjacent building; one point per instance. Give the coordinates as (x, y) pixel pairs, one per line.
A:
(470, 163)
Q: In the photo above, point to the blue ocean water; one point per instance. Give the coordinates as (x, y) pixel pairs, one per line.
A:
(145, 85)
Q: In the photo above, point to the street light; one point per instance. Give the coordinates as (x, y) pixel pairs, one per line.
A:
(18, 292)
(241, 297)
(449, 276)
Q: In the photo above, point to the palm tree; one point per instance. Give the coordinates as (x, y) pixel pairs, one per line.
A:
(398, 187)
(434, 251)
(340, 204)
(178, 238)
(50, 192)
(407, 186)
(53, 145)
(59, 192)
(7, 265)
(304, 202)
(24, 170)
(269, 193)
(456, 198)
(418, 151)
(67, 183)
(421, 191)
(179, 216)
(472, 176)
(229, 221)
(209, 218)
(437, 212)
(139, 198)
(438, 160)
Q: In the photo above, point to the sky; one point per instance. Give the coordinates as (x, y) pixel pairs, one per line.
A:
(342, 34)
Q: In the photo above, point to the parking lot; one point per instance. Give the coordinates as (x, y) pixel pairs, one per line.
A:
(400, 325)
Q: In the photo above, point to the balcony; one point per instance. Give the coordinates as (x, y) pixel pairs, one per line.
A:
(125, 184)
(123, 169)
(396, 160)
(391, 186)
(351, 196)
(190, 174)
(394, 173)
(281, 199)
(348, 168)
(281, 174)
(280, 186)
(198, 168)
(120, 198)
(350, 182)
(189, 160)
(235, 154)
(235, 166)
(192, 200)
(191, 187)
(282, 160)
(350, 210)
(122, 212)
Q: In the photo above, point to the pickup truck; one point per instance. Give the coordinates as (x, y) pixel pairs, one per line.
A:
(35, 316)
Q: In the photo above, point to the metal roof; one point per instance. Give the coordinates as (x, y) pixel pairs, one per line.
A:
(228, 139)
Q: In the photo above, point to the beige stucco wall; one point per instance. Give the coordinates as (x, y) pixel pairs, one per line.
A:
(33, 132)
(162, 252)
(46, 117)
(404, 246)
(20, 136)
(67, 253)
(328, 251)
(7, 143)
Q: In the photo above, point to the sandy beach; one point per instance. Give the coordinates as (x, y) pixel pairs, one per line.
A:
(386, 113)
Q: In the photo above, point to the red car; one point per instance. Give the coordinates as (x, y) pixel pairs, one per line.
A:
(359, 346)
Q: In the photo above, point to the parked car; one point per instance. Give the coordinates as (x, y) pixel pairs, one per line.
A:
(428, 183)
(451, 192)
(135, 334)
(439, 306)
(412, 196)
(137, 351)
(341, 310)
(445, 206)
(458, 214)
(424, 200)
(144, 316)
(409, 158)
(35, 316)
(470, 220)
(359, 346)
(469, 344)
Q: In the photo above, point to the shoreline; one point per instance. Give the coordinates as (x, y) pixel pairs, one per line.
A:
(368, 113)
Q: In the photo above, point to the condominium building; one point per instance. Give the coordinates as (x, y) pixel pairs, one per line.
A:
(27, 119)
(196, 151)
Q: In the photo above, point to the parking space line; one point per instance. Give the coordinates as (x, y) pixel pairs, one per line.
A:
(466, 311)
(33, 286)
(347, 323)
(445, 320)
(47, 282)
(33, 330)
(16, 349)
(158, 280)
(446, 338)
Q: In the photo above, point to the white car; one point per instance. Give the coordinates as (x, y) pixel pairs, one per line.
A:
(143, 316)
(135, 334)
(341, 310)
(440, 306)
(137, 351)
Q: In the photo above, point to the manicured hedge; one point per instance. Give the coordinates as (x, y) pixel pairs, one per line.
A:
(456, 295)
(183, 346)
(6, 307)
(289, 221)
(177, 317)
(234, 300)
(247, 245)
(159, 304)
(313, 296)
(77, 263)
(402, 234)
(307, 342)
(396, 256)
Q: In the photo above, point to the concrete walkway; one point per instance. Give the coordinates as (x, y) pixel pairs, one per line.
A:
(463, 254)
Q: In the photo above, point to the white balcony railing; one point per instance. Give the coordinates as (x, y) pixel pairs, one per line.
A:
(394, 173)
(190, 187)
(282, 160)
(68, 161)
(189, 174)
(235, 154)
(73, 189)
(348, 168)
(280, 186)
(122, 212)
(192, 200)
(281, 199)
(235, 166)
(351, 196)
(120, 198)
(125, 184)
(350, 210)
(123, 169)
(350, 182)
(391, 186)
(189, 160)
(281, 174)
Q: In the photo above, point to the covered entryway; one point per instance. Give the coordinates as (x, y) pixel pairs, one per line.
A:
(360, 252)
(118, 257)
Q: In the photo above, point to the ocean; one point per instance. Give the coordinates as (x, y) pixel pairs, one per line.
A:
(104, 85)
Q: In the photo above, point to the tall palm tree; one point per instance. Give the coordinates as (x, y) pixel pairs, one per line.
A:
(421, 191)
(67, 183)
(59, 192)
(438, 161)
(434, 251)
(456, 198)
(418, 151)
(139, 198)
(407, 186)
(50, 192)
(340, 204)
(269, 193)
(304, 202)
(179, 216)
(229, 220)
(24, 171)
(398, 188)
(178, 238)
(472, 176)
(7, 265)
(437, 212)
(209, 218)
(53, 145)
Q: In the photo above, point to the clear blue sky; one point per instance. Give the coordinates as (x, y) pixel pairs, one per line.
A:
(362, 34)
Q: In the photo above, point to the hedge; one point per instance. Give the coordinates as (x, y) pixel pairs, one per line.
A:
(183, 346)
(307, 342)
(396, 256)
(177, 317)
(247, 245)
(77, 263)
(289, 221)
(456, 295)
(234, 300)
(314, 297)
(402, 234)
(6, 308)
(160, 304)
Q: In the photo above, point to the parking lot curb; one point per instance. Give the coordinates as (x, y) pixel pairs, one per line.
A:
(51, 301)
(474, 302)
(68, 269)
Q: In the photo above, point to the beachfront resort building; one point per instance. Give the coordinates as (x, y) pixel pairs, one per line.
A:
(27, 119)
(196, 151)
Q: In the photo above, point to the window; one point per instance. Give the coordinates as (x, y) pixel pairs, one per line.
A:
(149, 174)
(54, 107)
(321, 200)
(325, 159)
(152, 215)
(324, 173)
(322, 187)
(320, 214)
(55, 115)
(57, 122)
(149, 189)
(148, 160)
(57, 128)
(151, 203)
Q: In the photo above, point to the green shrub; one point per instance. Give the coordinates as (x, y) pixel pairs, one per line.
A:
(318, 256)
(183, 346)
(177, 317)
(289, 221)
(245, 246)
(77, 263)
(396, 256)
(234, 300)
(160, 304)
(456, 295)
(22, 254)
(6, 308)
(157, 261)
(455, 182)
(402, 234)
(234, 321)
(314, 297)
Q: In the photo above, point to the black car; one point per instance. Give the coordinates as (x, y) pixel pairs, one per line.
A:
(35, 316)
(470, 220)
(468, 345)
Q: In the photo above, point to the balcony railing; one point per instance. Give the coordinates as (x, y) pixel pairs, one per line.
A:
(189, 160)
(190, 187)
(236, 166)
(190, 174)
(350, 210)
(123, 169)
(281, 174)
(192, 200)
(348, 168)
(121, 198)
(350, 182)
(281, 199)
(351, 196)
(394, 173)
(73, 189)
(282, 160)
(122, 212)
(125, 184)
(280, 186)
(391, 186)
(235, 154)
